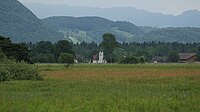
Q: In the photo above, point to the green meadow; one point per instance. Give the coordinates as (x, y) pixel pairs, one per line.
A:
(106, 88)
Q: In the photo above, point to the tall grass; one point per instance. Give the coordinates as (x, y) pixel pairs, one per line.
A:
(106, 88)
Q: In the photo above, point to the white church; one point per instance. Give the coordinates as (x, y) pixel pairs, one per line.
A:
(100, 59)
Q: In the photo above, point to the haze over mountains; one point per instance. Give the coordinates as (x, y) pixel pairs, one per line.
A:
(21, 25)
(188, 18)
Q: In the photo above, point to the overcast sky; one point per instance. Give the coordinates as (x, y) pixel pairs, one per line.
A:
(162, 6)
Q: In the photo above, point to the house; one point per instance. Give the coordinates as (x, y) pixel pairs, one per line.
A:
(159, 59)
(187, 57)
(95, 59)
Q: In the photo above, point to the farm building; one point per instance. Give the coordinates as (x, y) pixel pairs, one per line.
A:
(95, 59)
(187, 57)
(159, 59)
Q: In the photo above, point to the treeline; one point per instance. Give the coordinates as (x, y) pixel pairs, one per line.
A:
(15, 62)
(147, 50)
(18, 52)
(162, 49)
(47, 52)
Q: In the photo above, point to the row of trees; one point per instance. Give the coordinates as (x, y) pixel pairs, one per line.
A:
(129, 52)
(18, 52)
(42, 52)
(151, 49)
(13, 62)
(47, 52)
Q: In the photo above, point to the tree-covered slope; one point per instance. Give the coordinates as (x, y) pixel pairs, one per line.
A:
(181, 35)
(92, 28)
(21, 25)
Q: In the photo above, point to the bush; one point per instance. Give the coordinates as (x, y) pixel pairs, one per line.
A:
(2, 56)
(5, 75)
(66, 58)
(12, 70)
(129, 60)
(142, 59)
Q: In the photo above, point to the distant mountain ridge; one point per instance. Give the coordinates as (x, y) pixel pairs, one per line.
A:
(21, 25)
(188, 18)
(92, 28)
(78, 29)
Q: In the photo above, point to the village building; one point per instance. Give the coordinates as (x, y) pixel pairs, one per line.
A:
(159, 59)
(187, 57)
(94, 59)
(99, 58)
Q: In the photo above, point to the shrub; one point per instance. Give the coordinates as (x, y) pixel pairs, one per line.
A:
(2, 55)
(4, 73)
(129, 60)
(12, 70)
(142, 59)
(66, 58)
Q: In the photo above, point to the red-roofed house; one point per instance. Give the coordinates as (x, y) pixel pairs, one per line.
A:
(187, 57)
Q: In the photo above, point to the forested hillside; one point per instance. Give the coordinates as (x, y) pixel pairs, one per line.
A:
(91, 29)
(20, 24)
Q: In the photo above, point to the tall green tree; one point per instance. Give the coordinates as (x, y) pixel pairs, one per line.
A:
(129, 60)
(63, 46)
(2, 55)
(45, 47)
(173, 57)
(198, 54)
(42, 52)
(19, 52)
(108, 45)
(109, 42)
(141, 59)
(66, 58)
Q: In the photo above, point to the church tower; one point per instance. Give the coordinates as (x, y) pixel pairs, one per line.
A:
(101, 57)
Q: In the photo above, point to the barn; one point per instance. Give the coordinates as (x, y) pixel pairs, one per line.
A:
(187, 57)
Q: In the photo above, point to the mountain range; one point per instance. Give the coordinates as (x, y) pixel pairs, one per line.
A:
(21, 25)
(78, 29)
(189, 18)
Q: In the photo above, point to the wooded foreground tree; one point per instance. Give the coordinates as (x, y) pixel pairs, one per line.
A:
(142, 59)
(109, 42)
(108, 45)
(198, 54)
(2, 55)
(14, 70)
(66, 58)
(173, 57)
(19, 52)
(129, 60)
(63, 46)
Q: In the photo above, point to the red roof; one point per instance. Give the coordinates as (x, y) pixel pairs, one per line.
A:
(185, 56)
(94, 57)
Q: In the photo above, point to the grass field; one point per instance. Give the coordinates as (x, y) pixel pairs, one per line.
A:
(106, 88)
